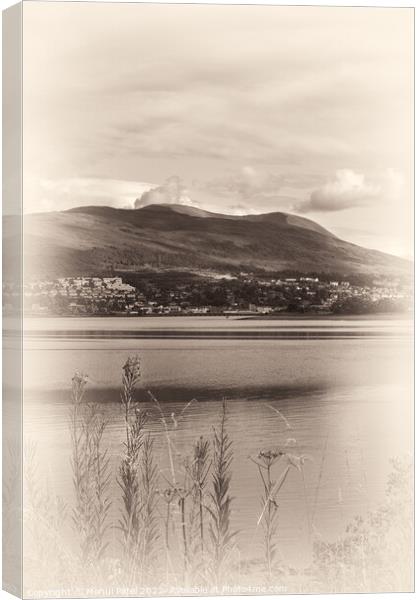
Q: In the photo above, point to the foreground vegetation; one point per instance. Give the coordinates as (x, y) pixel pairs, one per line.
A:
(174, 528)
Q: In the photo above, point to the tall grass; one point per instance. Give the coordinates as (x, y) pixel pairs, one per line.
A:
(375, 553)
(269, 515)
(129, 480)
(11, 507)
(149, 509)
(91, 474)
(168, 497)
(183, 493)
(175, 523)
(220, 530)
(198, 472)
(45, 520)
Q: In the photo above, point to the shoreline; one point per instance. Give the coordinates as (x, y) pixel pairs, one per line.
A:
(254, 317)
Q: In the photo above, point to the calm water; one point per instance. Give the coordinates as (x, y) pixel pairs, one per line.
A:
(343, 385)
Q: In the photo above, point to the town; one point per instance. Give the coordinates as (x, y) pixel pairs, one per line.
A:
(223, 295)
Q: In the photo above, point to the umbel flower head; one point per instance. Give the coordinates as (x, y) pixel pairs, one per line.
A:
(269, 456)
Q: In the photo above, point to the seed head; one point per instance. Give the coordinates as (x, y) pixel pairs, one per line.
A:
(132, 368)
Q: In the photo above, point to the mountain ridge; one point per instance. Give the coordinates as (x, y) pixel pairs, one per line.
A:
(195, 212)
(97, 239)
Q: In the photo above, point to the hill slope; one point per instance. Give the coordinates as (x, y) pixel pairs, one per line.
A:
(93, 240)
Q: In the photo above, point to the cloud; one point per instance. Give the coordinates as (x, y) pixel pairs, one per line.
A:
(347, 189)
(311, 97)
(254, 190)
(246, 184)
(250, 185)
(173, 191)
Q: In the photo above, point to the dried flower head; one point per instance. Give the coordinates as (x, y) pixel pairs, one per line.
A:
(79, 381)
(132, 368)
(80, 378)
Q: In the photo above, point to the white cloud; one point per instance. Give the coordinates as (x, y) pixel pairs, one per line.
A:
(347, 189)
(307, 101)
(173, 191)
(254, 187)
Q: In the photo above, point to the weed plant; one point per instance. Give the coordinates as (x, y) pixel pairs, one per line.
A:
(175, 524)
(91, 474)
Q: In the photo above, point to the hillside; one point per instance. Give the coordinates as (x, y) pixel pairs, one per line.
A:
(93, 240)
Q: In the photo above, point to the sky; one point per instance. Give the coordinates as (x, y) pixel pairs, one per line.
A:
(234, 109)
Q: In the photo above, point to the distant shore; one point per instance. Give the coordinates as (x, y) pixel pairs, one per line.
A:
(256, 317)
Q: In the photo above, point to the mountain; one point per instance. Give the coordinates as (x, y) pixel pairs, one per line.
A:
(97, 239)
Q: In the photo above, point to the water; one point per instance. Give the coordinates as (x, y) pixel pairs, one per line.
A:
(344, 387)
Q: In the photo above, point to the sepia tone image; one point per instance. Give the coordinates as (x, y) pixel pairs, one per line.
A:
(208, 300)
